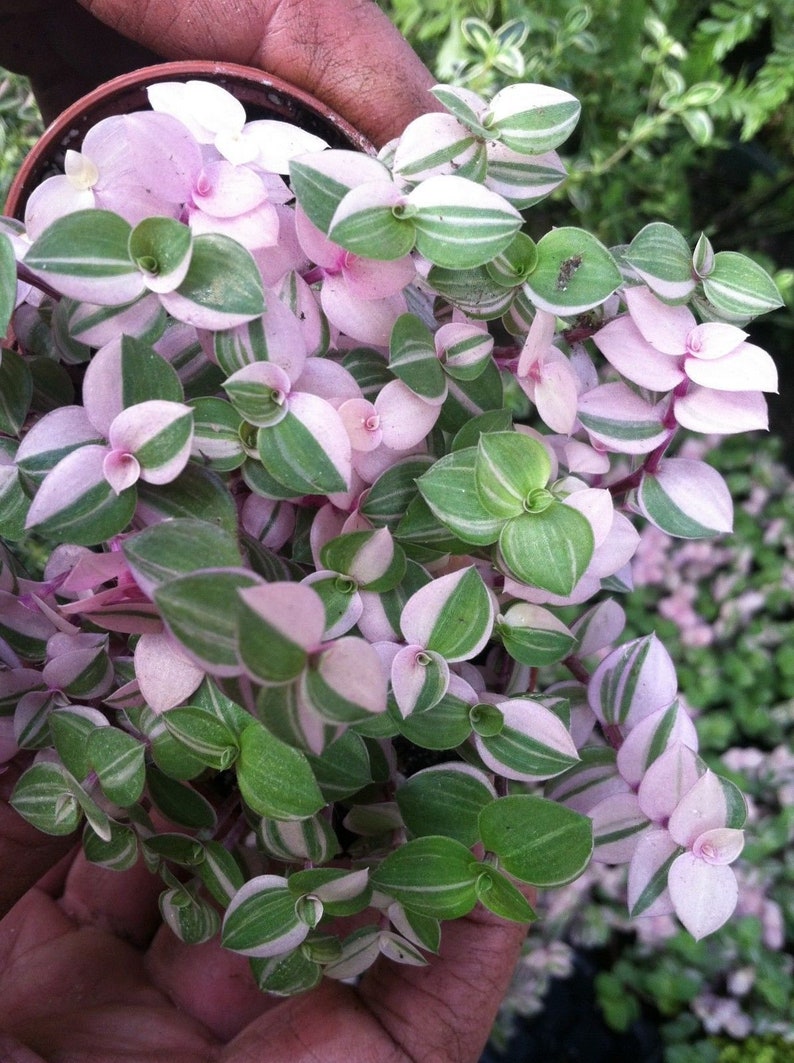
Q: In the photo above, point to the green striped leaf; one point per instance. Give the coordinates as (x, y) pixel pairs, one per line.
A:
(445, 800)
(739, 288)
(222, 287)
(449, 488)
(308, 450)
(275, 780)
(435, 876)
(537, 840)
(510, 469)
(549, 549)
(76, 504)
(532, 119)
(118, 760)
(175, 548)
(44, 797)
(661, 257)
(84, 255)
(201, 610)
(412, 358)
(16, 391)
(574, 272)
(460, 224)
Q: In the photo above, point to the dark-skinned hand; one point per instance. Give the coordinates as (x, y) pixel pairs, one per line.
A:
(88, 971)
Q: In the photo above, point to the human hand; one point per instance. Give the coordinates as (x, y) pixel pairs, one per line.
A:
(345, 52)
(89, 973)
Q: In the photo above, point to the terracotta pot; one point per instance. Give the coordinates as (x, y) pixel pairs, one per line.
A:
(262, 95)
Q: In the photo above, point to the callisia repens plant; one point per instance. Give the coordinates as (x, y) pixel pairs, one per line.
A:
(320, 479)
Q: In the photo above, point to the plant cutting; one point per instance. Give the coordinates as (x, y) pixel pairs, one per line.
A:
(319, 486)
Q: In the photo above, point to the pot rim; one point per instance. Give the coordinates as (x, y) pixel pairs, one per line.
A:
(126, 93)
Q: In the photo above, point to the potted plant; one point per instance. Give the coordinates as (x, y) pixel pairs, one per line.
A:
(319, 477)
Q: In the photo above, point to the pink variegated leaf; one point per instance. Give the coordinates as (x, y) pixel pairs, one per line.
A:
(599, 627)
(223, 190)
(648, 874)
(721, 412)
(720, 845)
(532, 745)
(57, 434)
(667, 779)
(651, 737)
(617, 549)
(166, 675)
(332, 382)
(594, 503)
(452, 615)
(714, 339)
(371, 279)
(666, 328)
(555, 393)
(158, 434)
(589, 782)
(280, 624)
(322, 179)
(703, 895)
(625, 348)
(256, 230)
(419, 679)
(617, 418)
(405, 418)
(633, 681)
(279, 142)
(270, 522)
(362, 421)
(53, 198)
(308, 450)
(365, 320)
(712, 802)
(618, 822)
(686, 498)
(345, 683)
(744, 368)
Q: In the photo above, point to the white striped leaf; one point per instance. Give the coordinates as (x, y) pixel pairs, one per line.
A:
(44, 797)
(206, 736)
(193, 919)
(57, 434)
(438, 143)
(262, 919)
(661, 256)
(322, 179)
(118, 853)
(85, 256)
(8, 282)
(176, 547)
(465, 105)
(739, 288)
(532, 745)
(582, 786)
(523, 180)
(201, 610)
(220, 872)
(217, 442)
(297, 841)
(532, 119)
(497, 893)
(366, 224)
(118, 760)
(460, 224)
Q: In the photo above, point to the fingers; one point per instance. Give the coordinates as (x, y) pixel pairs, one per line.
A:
(346, 52)
(122, 902)
(25, 853)
(443, 1013)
